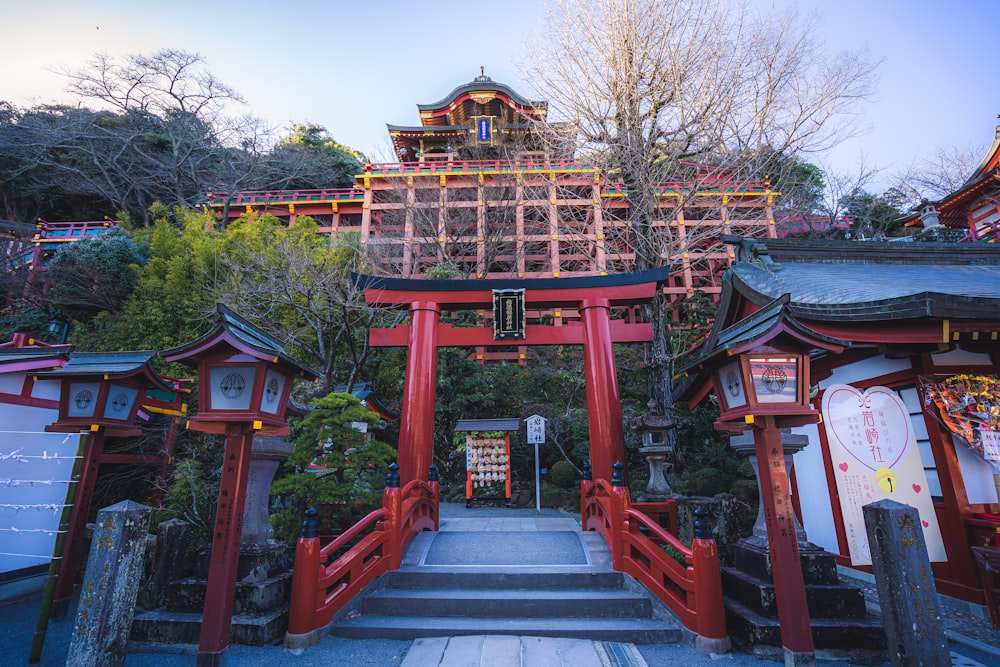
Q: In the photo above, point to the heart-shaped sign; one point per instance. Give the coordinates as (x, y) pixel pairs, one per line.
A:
(843, 466)
(873, 427)
(916, 488)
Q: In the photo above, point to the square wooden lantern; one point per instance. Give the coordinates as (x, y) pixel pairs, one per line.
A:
(104, 390)
(243, 377)
(766, 380)
(759, 367)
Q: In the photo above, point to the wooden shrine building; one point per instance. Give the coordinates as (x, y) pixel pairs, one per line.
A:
(481, 187)
(910, 407)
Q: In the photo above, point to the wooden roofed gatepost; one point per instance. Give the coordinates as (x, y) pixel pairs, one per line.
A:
(759, 369)
(101, 395)
(245, 380)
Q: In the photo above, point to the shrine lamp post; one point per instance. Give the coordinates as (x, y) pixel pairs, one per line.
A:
(244, 381)
(759, 368)
(100, 395)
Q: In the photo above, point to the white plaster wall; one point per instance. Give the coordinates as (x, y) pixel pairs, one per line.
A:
(977, 474)
(960, 357)
(813, 496)
(11, 383)
(25, 418)
(34, 471)
(867, 368)
(47, 389)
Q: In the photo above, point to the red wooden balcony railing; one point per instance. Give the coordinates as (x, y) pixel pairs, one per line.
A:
(273, 197)
(323, 581)
(692, 589)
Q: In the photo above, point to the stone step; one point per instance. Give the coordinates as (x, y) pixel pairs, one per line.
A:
(513, 603)
(842, 600)
(494, 578)
(818, 566)
(750, 631)
(174, 627)
(634, 630)
(252, 597)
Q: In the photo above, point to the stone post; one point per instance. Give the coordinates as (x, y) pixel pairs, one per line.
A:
(791, 444)
(907, 596)
(110, 586)
(266, 454)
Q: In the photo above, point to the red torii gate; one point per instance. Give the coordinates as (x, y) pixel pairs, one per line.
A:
(594, 297)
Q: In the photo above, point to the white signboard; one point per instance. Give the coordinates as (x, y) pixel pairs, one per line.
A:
(874, 455)
(991, 445)
(536, 429)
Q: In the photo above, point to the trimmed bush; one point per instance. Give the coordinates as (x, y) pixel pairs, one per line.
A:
(564, 475)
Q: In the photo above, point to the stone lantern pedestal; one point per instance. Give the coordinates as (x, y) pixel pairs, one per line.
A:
(266, 454)
(839, 620)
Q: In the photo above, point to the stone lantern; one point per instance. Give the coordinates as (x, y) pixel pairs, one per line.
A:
(658, 449)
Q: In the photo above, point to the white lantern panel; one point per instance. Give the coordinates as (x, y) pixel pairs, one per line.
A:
(731, 379)
(82, 399)
(274, 388)
(775, 379)
(120, 401)
(231, 387)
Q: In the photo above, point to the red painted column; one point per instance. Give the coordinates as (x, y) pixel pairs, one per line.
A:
(302, 609)
(217, 619)
(786, 564)
(167, 452)
(604, 410)
(416, 423)
(77, 525)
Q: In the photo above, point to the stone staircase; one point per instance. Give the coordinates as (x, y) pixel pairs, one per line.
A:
(569, 601)
(260, 608)
(840, 622)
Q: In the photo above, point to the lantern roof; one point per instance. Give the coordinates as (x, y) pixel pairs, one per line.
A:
(116, 365)
(234, 331)
(762, 326)
(771, 321)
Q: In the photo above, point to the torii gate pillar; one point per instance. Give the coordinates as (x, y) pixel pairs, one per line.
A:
(604, 411)
(416, 428)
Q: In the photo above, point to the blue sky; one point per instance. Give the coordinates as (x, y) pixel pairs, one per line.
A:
(355, 66)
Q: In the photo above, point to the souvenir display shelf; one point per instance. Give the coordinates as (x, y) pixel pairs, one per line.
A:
(487, 465)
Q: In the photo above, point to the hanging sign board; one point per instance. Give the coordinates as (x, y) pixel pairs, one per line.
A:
(508, 314)
(875, 457)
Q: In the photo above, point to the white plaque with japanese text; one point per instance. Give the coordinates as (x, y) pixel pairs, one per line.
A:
(875, 457)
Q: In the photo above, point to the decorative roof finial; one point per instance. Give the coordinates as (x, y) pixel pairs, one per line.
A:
(482, 78)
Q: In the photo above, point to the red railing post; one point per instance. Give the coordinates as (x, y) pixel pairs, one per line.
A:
(302, 610)
(709, 609)
(619, 503)
(586, 481)
(392, 501)
(432, 481)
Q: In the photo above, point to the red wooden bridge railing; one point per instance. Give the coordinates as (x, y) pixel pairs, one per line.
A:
(692, 589)
(323, 581)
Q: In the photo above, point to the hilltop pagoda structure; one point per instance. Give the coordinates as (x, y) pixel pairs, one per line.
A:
(488, 187)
